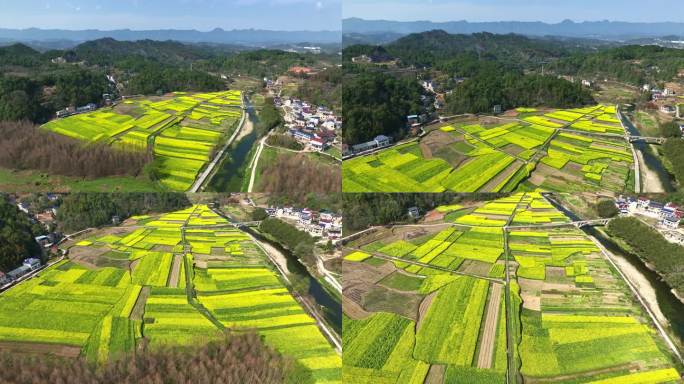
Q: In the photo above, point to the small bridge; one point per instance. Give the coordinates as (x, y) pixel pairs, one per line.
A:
(578, 224)
(648, 140)
(247, 224)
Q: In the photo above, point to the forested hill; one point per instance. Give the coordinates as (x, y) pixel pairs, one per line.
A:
(436, 47)
(33, 85)
(433, 48)
(634, 64)
(17, 235)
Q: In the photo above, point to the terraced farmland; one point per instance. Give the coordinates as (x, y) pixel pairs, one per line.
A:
(426, 304)
(526, 152)
(175, 279)
(181, 130)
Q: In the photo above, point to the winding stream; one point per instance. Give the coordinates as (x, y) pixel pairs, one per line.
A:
(669, 305)
(330, 305)
(230, 174)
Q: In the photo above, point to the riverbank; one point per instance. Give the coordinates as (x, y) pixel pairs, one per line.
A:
(650, 180)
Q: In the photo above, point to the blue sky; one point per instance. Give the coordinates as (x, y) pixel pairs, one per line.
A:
(519, 10)
(178, 14)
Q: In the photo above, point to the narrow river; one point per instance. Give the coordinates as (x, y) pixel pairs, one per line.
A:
(669, 305)
(330, 306)
(231, 172)
(651, 160)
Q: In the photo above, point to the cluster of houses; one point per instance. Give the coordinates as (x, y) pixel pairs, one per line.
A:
(314, 127)
(323, 224)
(669, 214)
(69, 111)
(378, 142)
(29, 265)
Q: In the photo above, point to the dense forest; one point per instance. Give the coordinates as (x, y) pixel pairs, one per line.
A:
(299, 242)
(650, 246)
(239, 358)
(17, 236)
(260, 63)
(377, 103)
(362, 210)
(633, 64)
(511, 89)
(323, 88)
(25, 146)
(85, 210)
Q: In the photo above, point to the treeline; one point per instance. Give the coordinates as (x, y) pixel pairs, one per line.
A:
(298, 175)
(37, 96)
(284, 141)
(511, 89)
(299, 242)
(85, 210)
(649, 245)
(260, 63)
(159, 80)
(239, 358)
(362, 210)
(377, 103)
(673, 149)
(633, 64)
(25, 146)
(269, 117)
(329, 201)
(17, 235)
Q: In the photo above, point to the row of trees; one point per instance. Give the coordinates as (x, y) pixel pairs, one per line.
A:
(649, 245)
(673, 149)
(17, 235)
(85, 210)
(299, 242)
(25, 146)
(269, 117)
(238, 358)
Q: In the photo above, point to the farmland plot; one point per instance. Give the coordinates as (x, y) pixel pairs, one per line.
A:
(529, 153)
(107, 312)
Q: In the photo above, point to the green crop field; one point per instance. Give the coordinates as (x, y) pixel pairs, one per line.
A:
(181, 131)
(528, 153)
(572, 318)
(118, 291)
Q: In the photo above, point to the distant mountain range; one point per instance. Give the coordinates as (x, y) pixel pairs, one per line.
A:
(249, 37)
(605, 30)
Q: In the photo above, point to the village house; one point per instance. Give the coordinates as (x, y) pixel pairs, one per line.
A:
(671, 221)
(414, 212)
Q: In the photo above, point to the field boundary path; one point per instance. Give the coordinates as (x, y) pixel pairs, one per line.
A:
(487, 344)
(175, 271)
(200, 181)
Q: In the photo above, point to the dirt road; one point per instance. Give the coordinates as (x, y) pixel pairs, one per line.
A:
(488, 342)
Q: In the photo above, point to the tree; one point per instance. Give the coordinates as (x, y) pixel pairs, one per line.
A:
(606, 208)
(17, 236)
(670, 129)
(259, 214)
